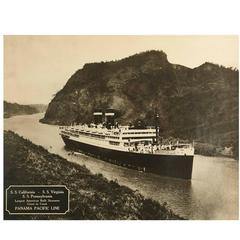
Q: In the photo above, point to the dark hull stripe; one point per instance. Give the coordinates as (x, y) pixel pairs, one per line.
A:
(165, 165)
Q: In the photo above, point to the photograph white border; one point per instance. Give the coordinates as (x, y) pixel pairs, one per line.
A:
(127, 17)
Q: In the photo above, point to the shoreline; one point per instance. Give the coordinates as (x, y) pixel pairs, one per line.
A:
(99, 197)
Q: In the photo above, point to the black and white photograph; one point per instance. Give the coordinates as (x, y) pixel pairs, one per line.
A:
(121, 127)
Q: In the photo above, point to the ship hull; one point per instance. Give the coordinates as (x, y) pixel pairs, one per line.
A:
(177, 166)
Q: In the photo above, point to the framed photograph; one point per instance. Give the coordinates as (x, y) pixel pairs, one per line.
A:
(140, 127)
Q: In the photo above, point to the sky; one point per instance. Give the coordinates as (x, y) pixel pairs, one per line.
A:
(36, 67)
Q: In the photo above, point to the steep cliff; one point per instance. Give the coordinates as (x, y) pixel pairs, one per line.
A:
(199, 103)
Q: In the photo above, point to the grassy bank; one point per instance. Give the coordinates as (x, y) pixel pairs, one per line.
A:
(92, 196)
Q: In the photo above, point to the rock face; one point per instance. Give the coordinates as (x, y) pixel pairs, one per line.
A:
(199, 103)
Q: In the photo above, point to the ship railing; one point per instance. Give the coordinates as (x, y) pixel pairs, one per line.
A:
(149, 148)
(177, 145)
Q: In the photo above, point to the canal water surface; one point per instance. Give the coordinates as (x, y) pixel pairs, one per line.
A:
(211, 194)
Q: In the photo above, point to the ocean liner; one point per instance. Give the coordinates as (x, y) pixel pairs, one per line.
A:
(132, 147)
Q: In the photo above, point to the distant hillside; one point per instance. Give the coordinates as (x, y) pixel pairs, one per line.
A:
(13, 109)
(199, 103)
(39, 107)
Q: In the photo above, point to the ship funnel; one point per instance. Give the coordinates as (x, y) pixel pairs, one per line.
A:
(110, 118)
(98, 117)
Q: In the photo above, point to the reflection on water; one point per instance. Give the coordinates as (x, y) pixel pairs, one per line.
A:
(211, 194)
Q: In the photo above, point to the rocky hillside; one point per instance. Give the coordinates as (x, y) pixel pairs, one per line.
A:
(92, 197)
(199, 103)
(13, 109)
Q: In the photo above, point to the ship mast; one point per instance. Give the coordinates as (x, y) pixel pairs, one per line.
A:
(157, 126)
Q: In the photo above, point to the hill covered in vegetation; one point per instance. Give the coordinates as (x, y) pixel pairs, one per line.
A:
(92, 197)
(13, 109)
(199, 103)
